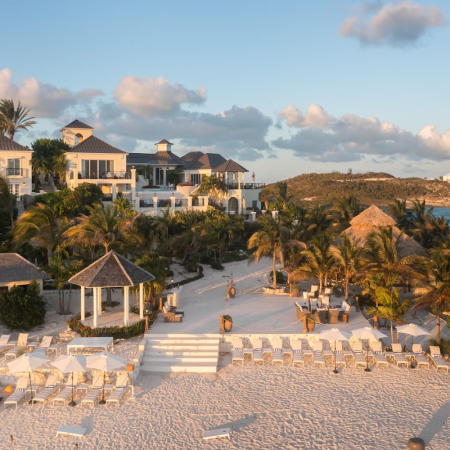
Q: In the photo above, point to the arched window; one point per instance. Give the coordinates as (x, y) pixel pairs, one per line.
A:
(78, 138)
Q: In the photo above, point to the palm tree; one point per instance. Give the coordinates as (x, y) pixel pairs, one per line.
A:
(350, 257)
(40, 225)
(345, 209)
(7, 199)
(13, 119)
(269, 241)
(213, 186)
(318, 220)
(283, 197)
(437, 286)
(397, 210)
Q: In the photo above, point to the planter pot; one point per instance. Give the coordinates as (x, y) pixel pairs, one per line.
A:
(227, 325)
(232, 292)
(295, 293)
(311, 326)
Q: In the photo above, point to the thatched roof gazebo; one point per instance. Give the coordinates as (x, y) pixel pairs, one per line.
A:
(374, 218)
(112, 270)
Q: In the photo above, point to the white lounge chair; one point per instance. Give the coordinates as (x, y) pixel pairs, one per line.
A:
(306, 349)
(238, 350)
(4, 342)
(258, 355)
(437, 359)
(378, 354)
(120, 389)
(339, 353)
(277, 355)
(358, 355)
(18, 394)
(97, 388)
(66, 393)
(318, 353)
(397, 354)
(297, 357)
(20, 344)
(46, 346)
(420, 358)
(347, 350)
(49, 389)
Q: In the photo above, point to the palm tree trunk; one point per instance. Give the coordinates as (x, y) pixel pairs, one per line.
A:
(274, 266)
(438, 328)
(60, 304)
(392, 332)
(108, 297)
(346, 288)
(375, 318)
(70, 296)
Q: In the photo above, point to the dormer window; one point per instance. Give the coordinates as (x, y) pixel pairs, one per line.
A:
(78, 138)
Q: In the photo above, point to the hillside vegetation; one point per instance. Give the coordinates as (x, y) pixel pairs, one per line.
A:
(370, 188)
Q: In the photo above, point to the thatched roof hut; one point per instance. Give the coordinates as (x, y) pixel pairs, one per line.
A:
(374, 218)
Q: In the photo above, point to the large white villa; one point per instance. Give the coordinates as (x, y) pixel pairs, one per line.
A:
(146, 179)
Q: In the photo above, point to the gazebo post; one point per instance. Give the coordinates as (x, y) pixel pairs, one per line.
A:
(126, 307)
(95, 307)
(83, 306)
(99, 299)
(141, 301)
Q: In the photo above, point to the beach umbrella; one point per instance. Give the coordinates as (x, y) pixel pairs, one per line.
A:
(70, 364)
(28, 362)
(334, 335)
(413, 330)
(368, 333)
(106, 362)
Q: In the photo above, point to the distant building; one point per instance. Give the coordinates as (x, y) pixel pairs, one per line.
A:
(16, 270)
(446, 178)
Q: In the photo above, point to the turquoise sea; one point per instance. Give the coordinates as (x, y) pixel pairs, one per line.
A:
(440, 211)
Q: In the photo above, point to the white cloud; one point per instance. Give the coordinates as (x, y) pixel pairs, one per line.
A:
(152, 97)
(315, 116)
(392, 24)
(351, 137)
(44, 100)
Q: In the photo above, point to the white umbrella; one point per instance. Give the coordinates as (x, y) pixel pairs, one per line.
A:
(70, 364)
(334, 334)
(368, 333)
(105, 362)
(28, 362)
(412, 330)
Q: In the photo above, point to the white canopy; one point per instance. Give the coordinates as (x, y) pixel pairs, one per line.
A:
(413, 330)
(368, 333)
(70, 363)
(28, 362)
(104, 361)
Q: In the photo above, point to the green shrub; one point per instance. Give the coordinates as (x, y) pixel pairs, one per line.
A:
(217, 266)
(188, 280)
(280, 277)
(135, 310)
(228, 318)
(86, 315)
(115, 332)
(206, 259)
(444, 345)
(22, 308)
(113, 303)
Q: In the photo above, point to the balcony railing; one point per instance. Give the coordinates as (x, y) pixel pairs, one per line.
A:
(246, 185)
(11, 172)
(104, 176)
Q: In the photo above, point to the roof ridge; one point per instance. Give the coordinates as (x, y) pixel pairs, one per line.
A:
(121, 267)
(99, 262)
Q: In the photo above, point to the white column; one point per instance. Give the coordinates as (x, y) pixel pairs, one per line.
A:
(126, 305)
(141, 301)
(99, 298)
(239, 180)
(154, 177)
(83, 306)
(189, 202)
(133, 183)
(95, 307)
(114, 191)
(155, 206)
(172, 204)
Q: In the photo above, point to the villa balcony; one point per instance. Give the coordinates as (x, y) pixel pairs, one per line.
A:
(105, 176)
(14, 172)
(246, 185)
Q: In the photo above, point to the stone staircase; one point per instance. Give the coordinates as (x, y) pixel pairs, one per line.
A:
(180, 353)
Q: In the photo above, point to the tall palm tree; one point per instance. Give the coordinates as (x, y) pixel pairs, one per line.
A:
(437, 297)
(282, 196)
(7, 199)
(350, 257)
(40, 225)
(13, 119)
(399, 212)
(318, 220)
(269, 241)
(345, 208)
(213, 186)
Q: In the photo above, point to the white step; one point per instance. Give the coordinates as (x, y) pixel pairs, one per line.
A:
(181, 347)
(179, 353)
(182, 341)
(195, 367)
(179, 359)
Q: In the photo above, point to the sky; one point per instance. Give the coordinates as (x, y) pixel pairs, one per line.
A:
(283, 87)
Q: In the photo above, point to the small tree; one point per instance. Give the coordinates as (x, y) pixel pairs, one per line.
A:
(22, 308)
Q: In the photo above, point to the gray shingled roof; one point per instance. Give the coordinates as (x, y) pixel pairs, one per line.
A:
(78, 124)
(8, 144)
(14, 267)
(111, 270)
(230, 166)
(200, 160)
(95, 145)
(155, 159)
(164, 141)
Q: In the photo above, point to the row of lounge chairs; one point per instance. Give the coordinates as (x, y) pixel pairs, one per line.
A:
(11, 349)
(62, 393)
(300, 349)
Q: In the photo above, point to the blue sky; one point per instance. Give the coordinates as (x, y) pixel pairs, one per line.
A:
(366, 82)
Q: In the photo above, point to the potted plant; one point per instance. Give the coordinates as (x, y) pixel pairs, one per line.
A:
(311, 322)
(227, 322)
(338, 291)
(296, 289)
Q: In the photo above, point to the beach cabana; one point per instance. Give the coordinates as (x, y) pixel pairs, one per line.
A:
(371, 220)
(112, 270)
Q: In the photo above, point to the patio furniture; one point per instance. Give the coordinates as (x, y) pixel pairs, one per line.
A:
(398, 355)
(46, 346)
(67, 392)
(313, 305)
(305, 295)
(171, 316)
(321, 316)
(420, 358)
(347, 350)
(328, 291)
(297, 357)
(378, 354)
(339, 354)
(238, 353)
(359, 358)
(70, 431)
(344, 312)
(96, 390)
(258, 355)
(173, 309)
(215, 434)
(18, 394)
(20, 345)
(318, 353)
(120, 389)
(49, 389)
(277, 355)
(306, 349)
(301, 313)
(4, 342)
(437, 359)
(84, 343)
(333, 316)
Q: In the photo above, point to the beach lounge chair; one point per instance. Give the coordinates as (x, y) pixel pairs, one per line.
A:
(171, 316)
(358, 355)
(398, 355)
(49, 389)
(93, 394)
(4, 342)
(18, 394)
(258, 355)
(420, 358)
(297, 357)
(238, 351)
(339, 353)
(437, 359)
(378, 354)
(20, 344)
(347, 350)
(306, 349)
(120, 389)
(277, 355)
(318, 353)
(173, 309)
(46, 346)
(66, 393)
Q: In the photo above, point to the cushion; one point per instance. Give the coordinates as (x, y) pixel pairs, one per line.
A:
(345, 306)
(238, 349)
(297, 351)
(277, 350)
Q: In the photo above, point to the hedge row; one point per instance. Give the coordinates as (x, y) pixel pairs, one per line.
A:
(188, 280)
(126, 332)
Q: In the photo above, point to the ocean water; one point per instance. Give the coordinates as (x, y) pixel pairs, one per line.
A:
(440, 211)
